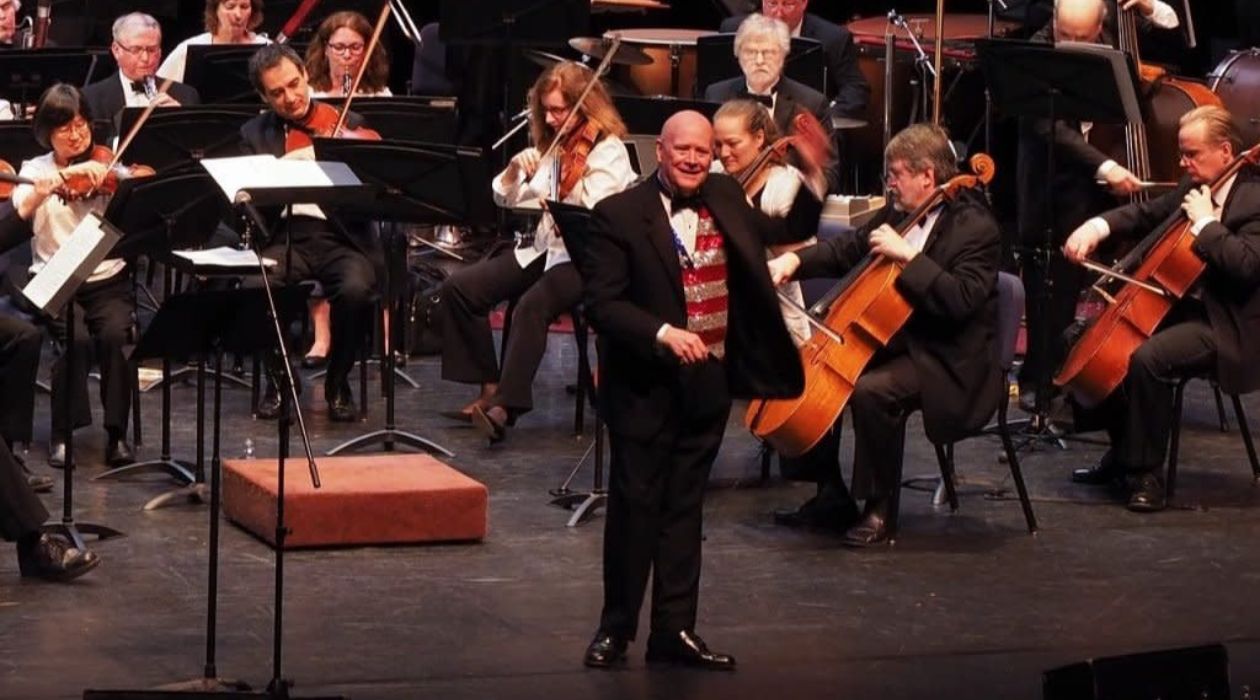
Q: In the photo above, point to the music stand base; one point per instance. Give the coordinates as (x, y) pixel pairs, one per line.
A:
(76, 532)
(185, 370)
(398, 374)
(387, 437)
(196, 493)
(583, 504)
(179, 471)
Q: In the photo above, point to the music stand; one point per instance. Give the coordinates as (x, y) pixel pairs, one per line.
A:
(27, 73)
(415, 119)
(420, 183)
(573, 222)
(181, 135)
(220, 73)
(1042, 82)
(175, 210)
(716, 61)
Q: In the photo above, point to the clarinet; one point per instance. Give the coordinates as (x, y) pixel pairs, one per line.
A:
(150, 87)
(346, 82)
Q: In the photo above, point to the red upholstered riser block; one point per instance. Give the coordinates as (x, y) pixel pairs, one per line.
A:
(377, 499)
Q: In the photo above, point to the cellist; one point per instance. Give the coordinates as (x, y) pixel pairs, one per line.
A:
(1214, 328)
(944, 360)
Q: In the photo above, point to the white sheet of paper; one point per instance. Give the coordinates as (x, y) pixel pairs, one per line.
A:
(224, 256)
(266, 171)
(75, 259)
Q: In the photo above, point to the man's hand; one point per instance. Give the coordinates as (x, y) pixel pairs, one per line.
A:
(1198, 204)
(1146, 7)
(783, 267)
(1082, 243)
(1122, 182)
(686, 346)
(526, 161)
(887, 242)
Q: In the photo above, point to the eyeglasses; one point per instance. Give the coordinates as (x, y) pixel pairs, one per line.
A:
(137, 51)
(555, 111)
(77, 124)
(761, 53)
(351, 49)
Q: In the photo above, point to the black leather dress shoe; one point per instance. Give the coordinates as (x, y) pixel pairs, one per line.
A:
(314, 361)
(341, 408)
(605, 651)
(57, 454)
(871, 530)
(686, 648)
(1148, 495)
(1101, 474)
(53, 559)
(821, 512)
(118, 453)
(268, 407)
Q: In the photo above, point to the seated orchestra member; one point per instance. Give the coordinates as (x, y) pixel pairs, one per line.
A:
(762, 45)
(227, 22)
(340, 257)
(539, 274)
(847, 84)
(137, 48)
(1215, 328)
(742, 129)
(1079, 168)
(8, 22)
(688, 320)
(944, 360)
(105, 302)
(332, 60)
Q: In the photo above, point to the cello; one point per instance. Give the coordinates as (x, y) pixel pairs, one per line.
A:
(1166, 269)
(862, 314)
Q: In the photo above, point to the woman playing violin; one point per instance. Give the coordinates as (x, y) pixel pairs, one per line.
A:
(592, 163)
(336, 53)
(944, 359)
(62, 123)
(744, 130)
(227, 22)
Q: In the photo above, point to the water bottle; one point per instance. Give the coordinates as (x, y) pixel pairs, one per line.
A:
(249, 449)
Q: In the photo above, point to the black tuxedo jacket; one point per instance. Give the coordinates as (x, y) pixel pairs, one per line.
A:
(847, 84)
(1231, 248)
(633, 284)
(952, 287)
(106, 100)
(265, 135)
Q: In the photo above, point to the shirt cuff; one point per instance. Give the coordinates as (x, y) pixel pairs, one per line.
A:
(1202, 223)
(660, 332)
(1106, 167)
(1101, 227)
(1164, 16)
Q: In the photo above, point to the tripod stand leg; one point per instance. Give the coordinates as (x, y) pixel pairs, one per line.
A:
(588, 507)
(192, 493)
(174, 469)
(387, 437)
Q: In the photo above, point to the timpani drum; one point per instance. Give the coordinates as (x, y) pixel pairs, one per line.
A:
(673, 68)
(1236, 80)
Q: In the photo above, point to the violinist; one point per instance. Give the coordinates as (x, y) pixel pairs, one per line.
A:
(137, 48)
(1215, 328)
(8, 22)
(340, 257)
(594, 163)
(1080, 167)
(336, 53)
(103, 318)
(227, 22)
(944, 360)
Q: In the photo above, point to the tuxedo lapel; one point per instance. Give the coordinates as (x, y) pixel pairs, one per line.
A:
(661, 234)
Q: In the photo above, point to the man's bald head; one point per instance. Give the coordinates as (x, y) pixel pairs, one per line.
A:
(685, 151)
(1079, 20)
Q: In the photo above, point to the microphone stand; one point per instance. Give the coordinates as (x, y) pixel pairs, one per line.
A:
(922, 61)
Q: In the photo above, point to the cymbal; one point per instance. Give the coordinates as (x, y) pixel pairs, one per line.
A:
(543, 58)
(842, 123)
(596, 48)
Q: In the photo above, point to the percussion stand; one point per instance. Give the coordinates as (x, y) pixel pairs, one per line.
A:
(922, 62)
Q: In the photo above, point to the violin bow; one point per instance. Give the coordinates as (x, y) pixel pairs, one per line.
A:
(367, 58)
(570, 120)
(135, 128)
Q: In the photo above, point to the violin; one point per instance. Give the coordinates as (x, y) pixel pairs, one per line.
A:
(807, 136)
(321, 121)
(572, 161)
(862, 314)
(78, 186)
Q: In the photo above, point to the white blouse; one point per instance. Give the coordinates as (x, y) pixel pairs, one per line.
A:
(55, 220)
(608, 172)
(177, 59)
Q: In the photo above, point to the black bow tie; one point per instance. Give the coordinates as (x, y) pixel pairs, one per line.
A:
(679, 203)
(767, 100)
(137, 86)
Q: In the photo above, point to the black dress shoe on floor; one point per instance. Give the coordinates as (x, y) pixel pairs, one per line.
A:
(1101, 474)
(686, 648)
(57, 454)
(341, 408)
(820, 513)
(268, 407)
(314, 361)
(605, 651)
(871, 530)
(118, 453)
(1148, 495)
(492, 422)
(53, 559)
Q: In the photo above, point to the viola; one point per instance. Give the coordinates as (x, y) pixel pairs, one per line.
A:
(321, 122)
(862, 314)
(807, 136)
(1167, 268)
(573, 154)
(77, 186)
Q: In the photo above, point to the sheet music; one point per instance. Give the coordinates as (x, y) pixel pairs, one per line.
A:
(224, 256)
(265, 171)
(71, 265)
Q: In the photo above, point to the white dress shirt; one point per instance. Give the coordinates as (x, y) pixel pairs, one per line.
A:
(917, 237)
(177, 60)
(130, 97)
(1219, 197)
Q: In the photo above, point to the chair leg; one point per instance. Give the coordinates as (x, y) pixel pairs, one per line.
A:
(1245, 430)
(1174, 440)
(766, 453)
(1017, 474)
(945, 458)
(1220, 407)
